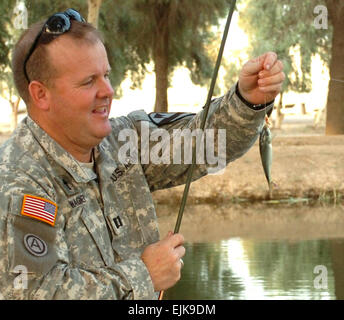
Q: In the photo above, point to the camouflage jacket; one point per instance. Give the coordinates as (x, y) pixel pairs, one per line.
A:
(67, 232)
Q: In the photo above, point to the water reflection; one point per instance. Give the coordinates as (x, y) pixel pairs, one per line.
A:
(250, 269)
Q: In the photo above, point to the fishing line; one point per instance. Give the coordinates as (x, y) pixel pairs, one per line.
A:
(264, 94)
(205, 113)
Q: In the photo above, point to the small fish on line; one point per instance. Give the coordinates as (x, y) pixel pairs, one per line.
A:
(265, 149)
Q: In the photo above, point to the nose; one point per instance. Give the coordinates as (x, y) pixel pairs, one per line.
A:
(105, 89)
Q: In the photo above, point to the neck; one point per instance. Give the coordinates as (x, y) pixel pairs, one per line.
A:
(82, 153)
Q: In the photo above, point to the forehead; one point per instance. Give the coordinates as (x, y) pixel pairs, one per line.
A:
(77, 57)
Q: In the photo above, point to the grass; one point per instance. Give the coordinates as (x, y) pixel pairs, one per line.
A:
(326, 197)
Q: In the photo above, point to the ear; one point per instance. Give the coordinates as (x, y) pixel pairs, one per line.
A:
(40, 94)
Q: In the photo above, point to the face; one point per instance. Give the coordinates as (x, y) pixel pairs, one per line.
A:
(80, 98)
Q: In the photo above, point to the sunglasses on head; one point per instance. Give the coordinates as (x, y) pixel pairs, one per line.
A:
(56, 25)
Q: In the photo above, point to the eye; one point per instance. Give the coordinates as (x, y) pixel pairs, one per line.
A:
(88, 82)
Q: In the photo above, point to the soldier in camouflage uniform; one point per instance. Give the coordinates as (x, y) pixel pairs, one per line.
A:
(75, 221)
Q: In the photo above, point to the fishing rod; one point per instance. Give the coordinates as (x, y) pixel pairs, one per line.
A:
(204, 118)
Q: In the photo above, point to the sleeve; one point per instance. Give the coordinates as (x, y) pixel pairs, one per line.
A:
(231, 129)
(34, 256)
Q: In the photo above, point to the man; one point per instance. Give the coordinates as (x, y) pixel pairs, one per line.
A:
(75, 221)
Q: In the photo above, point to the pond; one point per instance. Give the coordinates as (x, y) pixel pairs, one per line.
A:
(254, 269)
(273, 253)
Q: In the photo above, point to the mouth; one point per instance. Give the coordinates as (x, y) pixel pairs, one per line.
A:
(101, 111)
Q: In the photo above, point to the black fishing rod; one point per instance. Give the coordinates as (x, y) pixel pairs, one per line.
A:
(204, 118)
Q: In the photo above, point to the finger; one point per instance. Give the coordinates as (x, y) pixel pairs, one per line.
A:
(270, 59)
(276, 68)
(263, 62)
(273, 89)
(180, 251)
(275, 79)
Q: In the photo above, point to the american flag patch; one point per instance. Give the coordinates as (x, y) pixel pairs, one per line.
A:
(39, 208)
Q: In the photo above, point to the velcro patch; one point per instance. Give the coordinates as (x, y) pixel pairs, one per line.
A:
(35, 245)
(39, 208)
(161, 118)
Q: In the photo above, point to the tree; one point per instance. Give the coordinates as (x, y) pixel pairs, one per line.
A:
(93, 11)
(42, 9)
(10, 21)
(170, 33)
(6, 43)
(289, 24)
(335, 100)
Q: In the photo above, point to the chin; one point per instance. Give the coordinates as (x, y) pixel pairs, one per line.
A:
(104, 131)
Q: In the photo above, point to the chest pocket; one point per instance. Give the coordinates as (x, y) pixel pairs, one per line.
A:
(97, 230)
(127, 239)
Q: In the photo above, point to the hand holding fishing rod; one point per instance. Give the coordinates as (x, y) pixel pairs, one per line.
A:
(163, 260)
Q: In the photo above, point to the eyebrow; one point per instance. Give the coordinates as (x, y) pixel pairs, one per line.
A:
(93, 75)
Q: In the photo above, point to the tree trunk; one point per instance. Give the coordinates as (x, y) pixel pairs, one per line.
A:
(335, 99)
(93, 12)
(160, 56)
(303, 109)
(279, 114)
(337, 254)
(319, 119)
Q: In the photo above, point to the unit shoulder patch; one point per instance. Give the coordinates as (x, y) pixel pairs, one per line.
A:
(39, 208)
(161, 118)
(35, 245)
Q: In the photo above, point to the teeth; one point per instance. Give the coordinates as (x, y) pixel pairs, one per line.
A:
(101, 110)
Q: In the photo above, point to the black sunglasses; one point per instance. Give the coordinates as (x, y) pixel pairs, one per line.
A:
(56, 25)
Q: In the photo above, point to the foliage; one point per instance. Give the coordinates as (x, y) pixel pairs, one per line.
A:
(130, 29)
(6, 43)
(42, 9)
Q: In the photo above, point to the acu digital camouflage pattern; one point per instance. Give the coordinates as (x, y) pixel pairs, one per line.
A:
(103, 224)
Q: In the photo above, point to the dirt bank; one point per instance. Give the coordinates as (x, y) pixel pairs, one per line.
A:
(303, 167)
